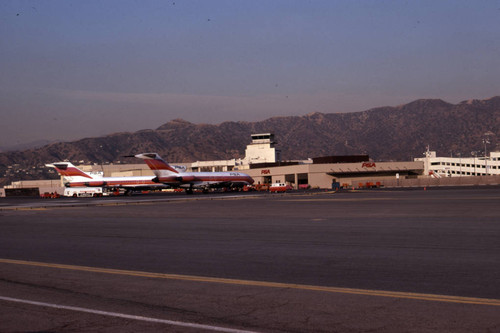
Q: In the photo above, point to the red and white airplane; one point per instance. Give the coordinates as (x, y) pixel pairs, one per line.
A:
(173, 177)
(75, 177)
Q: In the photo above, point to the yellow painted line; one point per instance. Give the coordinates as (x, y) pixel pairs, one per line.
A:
(337, 199)
(193, 278)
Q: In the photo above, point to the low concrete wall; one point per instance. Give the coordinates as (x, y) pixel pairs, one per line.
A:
(449, 181)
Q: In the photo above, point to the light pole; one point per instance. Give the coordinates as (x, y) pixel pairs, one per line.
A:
(485, 141)
(460, 163)
(474, 153)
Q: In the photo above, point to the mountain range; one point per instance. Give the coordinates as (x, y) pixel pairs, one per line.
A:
(384, 133)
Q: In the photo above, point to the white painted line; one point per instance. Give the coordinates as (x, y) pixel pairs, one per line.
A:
(126, 316)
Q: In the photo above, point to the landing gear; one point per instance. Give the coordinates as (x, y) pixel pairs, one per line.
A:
(189, 190)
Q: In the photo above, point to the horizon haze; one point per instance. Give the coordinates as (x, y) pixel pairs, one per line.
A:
(76, 69)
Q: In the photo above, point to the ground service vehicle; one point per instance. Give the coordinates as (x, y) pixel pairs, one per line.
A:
(279, 187)
(84, 192)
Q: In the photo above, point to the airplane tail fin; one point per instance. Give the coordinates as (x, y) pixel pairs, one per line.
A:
(157, 164)
(67, 169)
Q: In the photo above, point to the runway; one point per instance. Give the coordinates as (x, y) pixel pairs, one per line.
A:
(26, 203)
(382, 261)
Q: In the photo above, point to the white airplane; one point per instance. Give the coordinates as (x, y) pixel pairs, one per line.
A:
(75, 177)
(171, 176)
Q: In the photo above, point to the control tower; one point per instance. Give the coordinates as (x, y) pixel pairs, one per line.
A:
(262, 149)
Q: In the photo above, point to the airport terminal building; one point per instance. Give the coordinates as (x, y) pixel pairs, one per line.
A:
(458, 166)
(263, 163)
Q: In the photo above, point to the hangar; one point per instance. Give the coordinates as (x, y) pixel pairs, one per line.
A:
(262, 162)
(320, 172)
(346, 174)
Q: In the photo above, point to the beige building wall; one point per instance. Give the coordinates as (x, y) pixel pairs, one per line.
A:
(132, 173)
(124, 170)
(214, 166)
(349, 174)
(35, 183)
(320, 180)
(43, 185)
(118, 170)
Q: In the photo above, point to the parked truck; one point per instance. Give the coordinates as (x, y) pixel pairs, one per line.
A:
(84, 192)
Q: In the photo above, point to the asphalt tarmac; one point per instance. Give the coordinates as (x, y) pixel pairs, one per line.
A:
(375, 261)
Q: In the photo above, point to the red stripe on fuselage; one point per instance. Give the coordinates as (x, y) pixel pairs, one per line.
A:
(216, 178)
(113, 183)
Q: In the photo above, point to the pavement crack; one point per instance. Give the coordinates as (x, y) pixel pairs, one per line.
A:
(101, 299)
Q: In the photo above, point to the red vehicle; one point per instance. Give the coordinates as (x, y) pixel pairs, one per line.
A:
(279, 187)
(52, 195)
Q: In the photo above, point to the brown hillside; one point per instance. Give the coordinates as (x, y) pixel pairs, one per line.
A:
(386, 133)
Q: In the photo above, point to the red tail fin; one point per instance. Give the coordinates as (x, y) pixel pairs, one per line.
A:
(156, 163)
(68, 170)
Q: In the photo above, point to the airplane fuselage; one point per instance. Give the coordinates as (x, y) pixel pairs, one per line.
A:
(113, 182)
(205, 179)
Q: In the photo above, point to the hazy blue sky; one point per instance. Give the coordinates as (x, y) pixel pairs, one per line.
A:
(72, 69)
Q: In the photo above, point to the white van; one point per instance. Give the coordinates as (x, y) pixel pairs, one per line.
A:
(83, 192)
